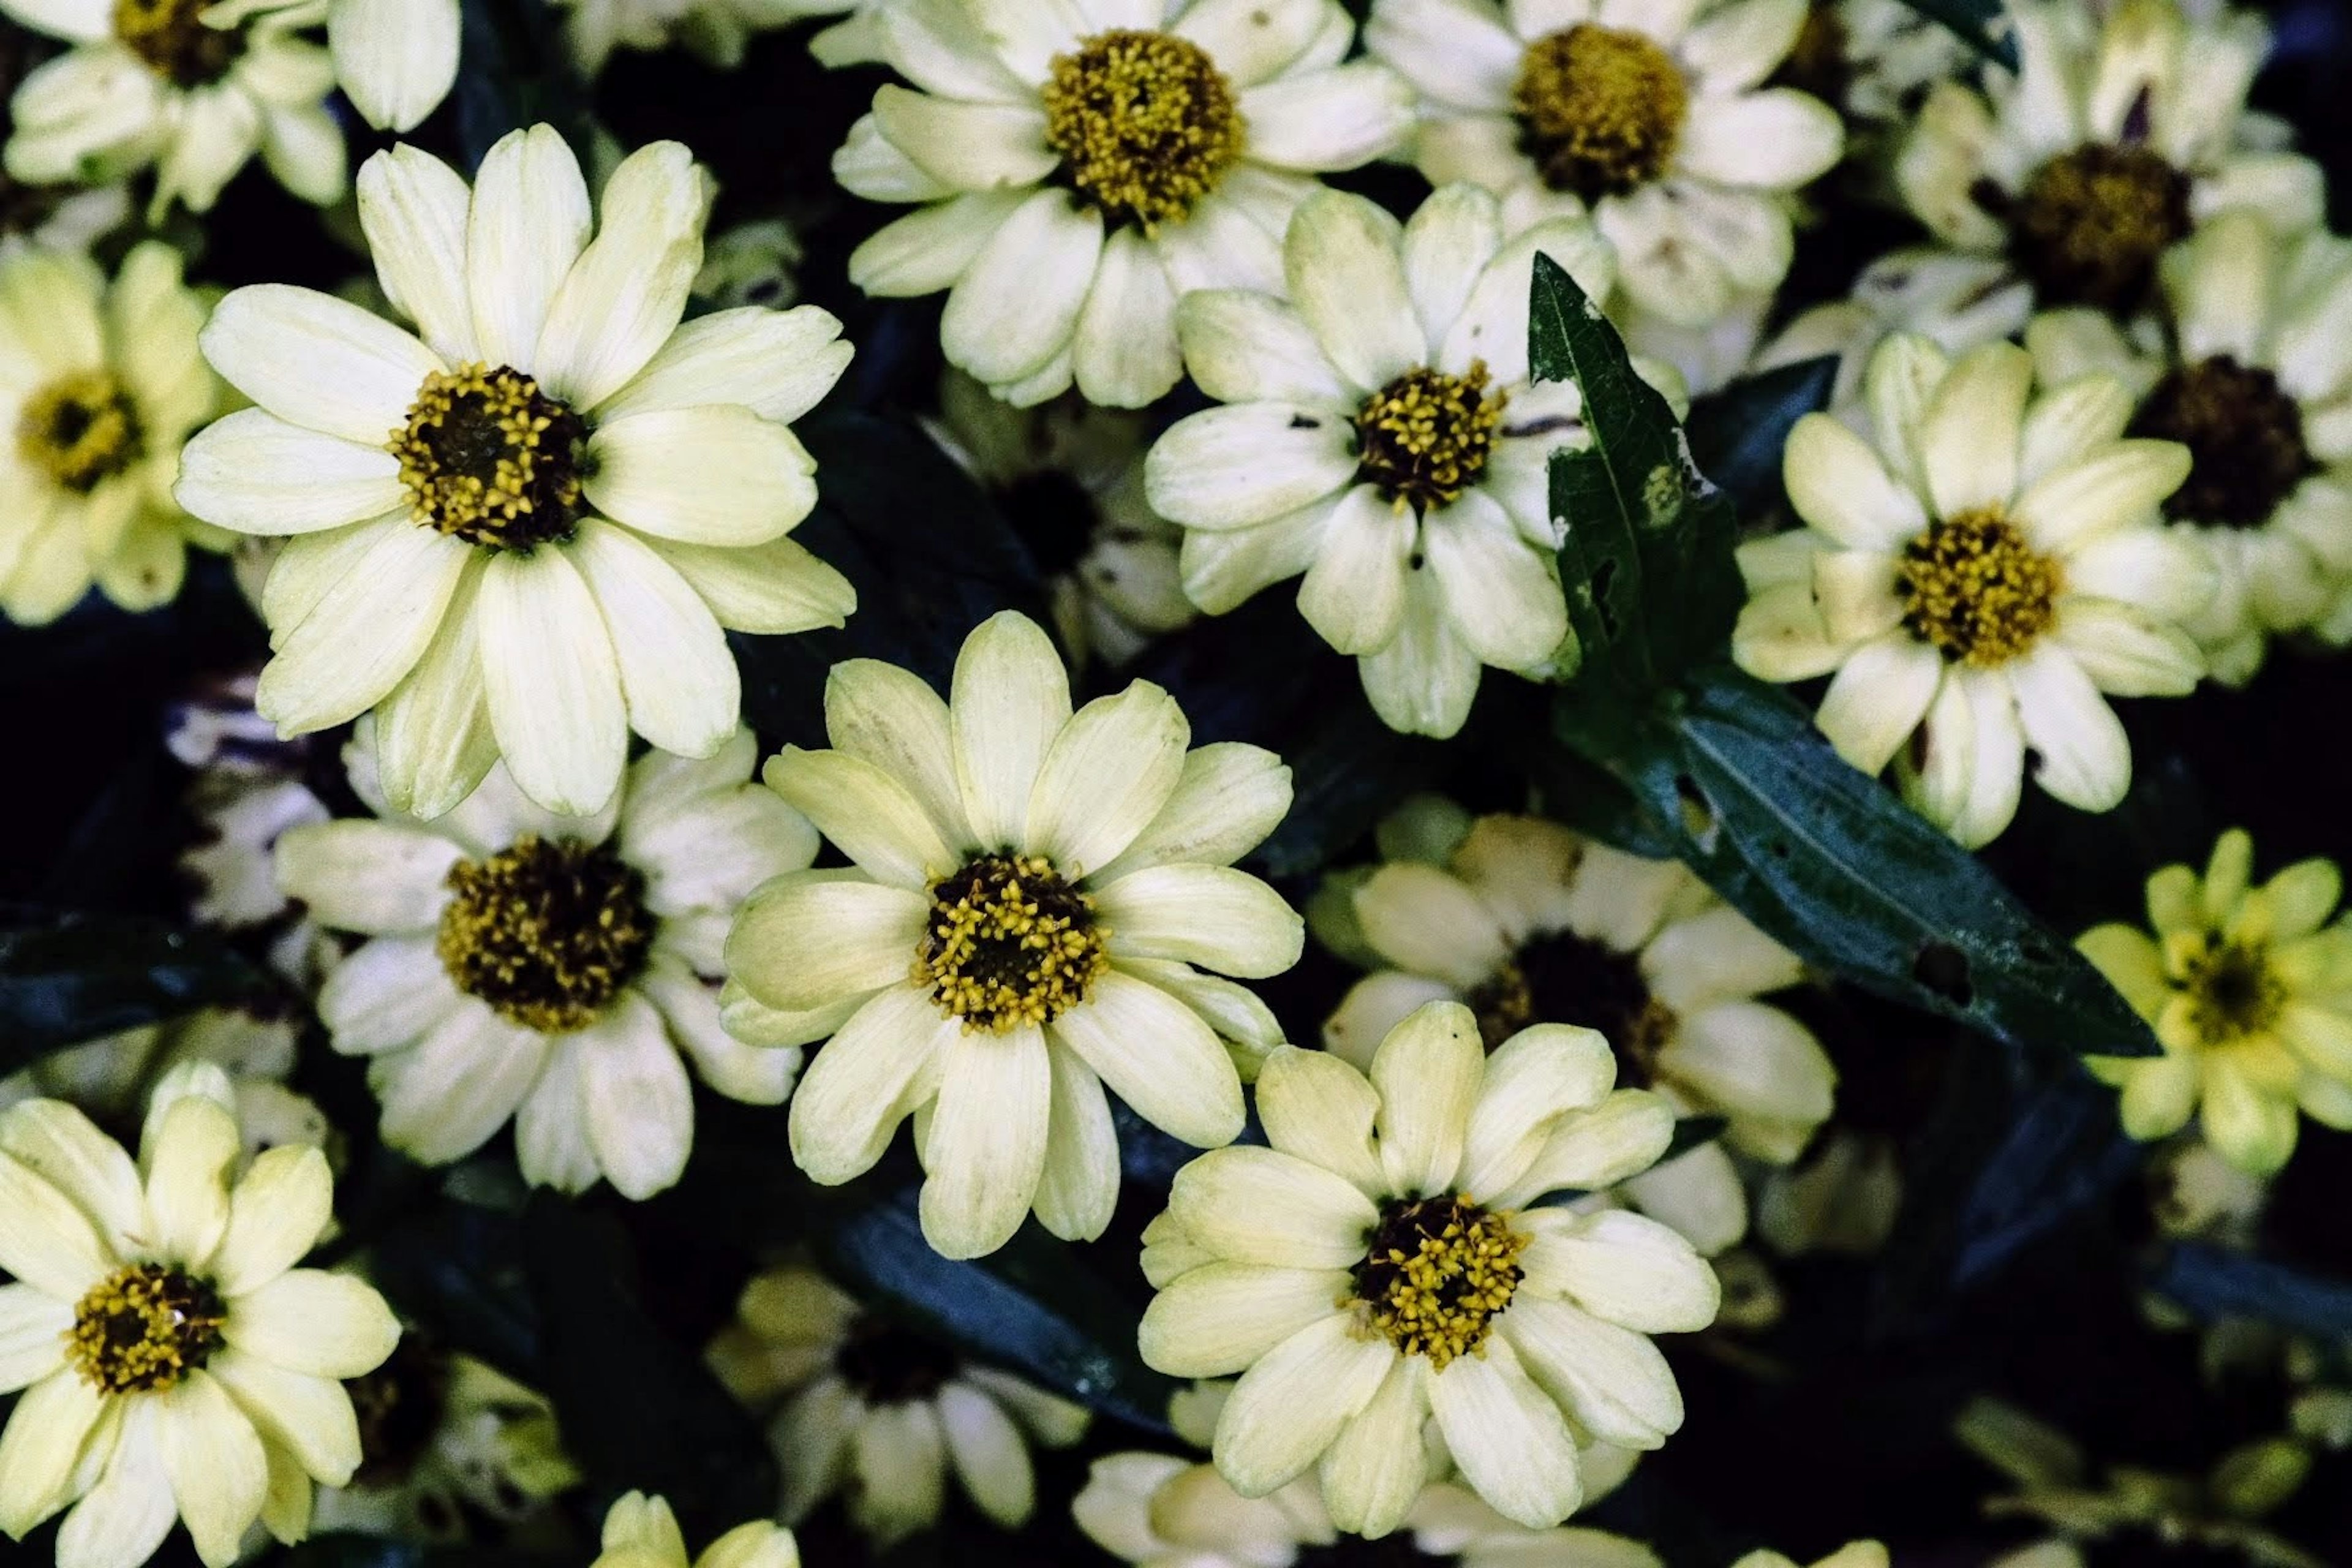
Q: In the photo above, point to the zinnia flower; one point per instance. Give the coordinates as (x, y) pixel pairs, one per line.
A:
(1032, 890)
(641, 1532)
(521, 534)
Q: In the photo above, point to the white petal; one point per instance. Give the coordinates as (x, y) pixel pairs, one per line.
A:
(432, 738)
(310, 1417)
(1373, 1472)
(1429, 922)
(124, 1518)
(1326, 119)
(1354, 594)
(1776, 140)
(1254, 1205)
(449, 1094)
(2083, 755)
(1317, 1108)
(329, 1325)
(772, 589)
(317, 362)
(1213, 916)
(1292, 1403)
(863, 1082)
(1612, 1380)
(186, 1155)
(1507, 1436)
(1009, 701)
(1109, 772)
(754, 1074)
(1878, 697)
(1219, 1319)
(988, 1453)
(48, 1433)
(640, 1106)
(57, 1142)
(396, 58)
(1427, 1072)
(963, 146)
(529, 221)
(1244, 347)
(1156, 1054)
(715, 475)
(1124, 353)
(276, 1213)
(887, 716)
(213, 1457)
(932, 247)
(1016, 305)
(1499, 592)
(1838, 484)
(2110, 488)
(777, 364)
(1533, 1079)
(1251, 463)
(984, 1149)
(1625, 1269)
(32, 1329)
(1077, 1191)
(365, 633)
(1250, 40)
(367, 875)
(1347, 280)
(255, 473)
(414, 209)
(1969, 436)
(809, 938)
(388, 993)
(677, 672)
(1228, 797)
(625, 296)
(866, 812)
(553, 684)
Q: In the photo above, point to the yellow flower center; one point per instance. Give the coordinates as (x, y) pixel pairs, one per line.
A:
(1009, 944)
(486, 457)
(1563, 978)
(2232, 990)
(80, 430)
(1425, 437)
(171, 36)
(142, 1328)
(1435, 1273)
(1972, 586)
(547, 932)
(2244, 436)
(1145, 122)
(2090, 223)
(1600, 108)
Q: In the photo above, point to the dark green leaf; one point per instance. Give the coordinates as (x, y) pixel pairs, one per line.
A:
(1035, 1305)
(2215, 1283)
(638, 1410)
(1838, 869)
(69, 978)
(1646, 562)
(457, 1269)
(1736, 433)
(1979, 22)
(514, 72)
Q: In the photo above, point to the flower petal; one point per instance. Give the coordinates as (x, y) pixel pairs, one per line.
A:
(310, 1417)
(1507, 1436)
(715, 475)
(1156, 1054)
(213, 1457)
(624, 297)
(276, 1213)
(1612, 1380)
(255, 473)
(553, 684)
(1969, 435)
(1838, 484)
(777, 364)
(1246, 347)
(2084, 757)
(1228, 797)
(1221, 1319)
(1109, 773)
(1427, 1073)
(362, 874)
(1008, 701)
(810, 938)
(317, 362)
(1017, 304)
(1291, 1406)
(864, 1082)
(1213, 916)
(1347, 278)
(1251, 463)
(640, 1105)
(329, 1325)
(1078, 1190)
(529, 222)
(365, 633)
(678, 674)
(414, 209)
(984, 1149)
(1254, 1205)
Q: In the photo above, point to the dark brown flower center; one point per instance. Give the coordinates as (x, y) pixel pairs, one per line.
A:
(2234, 992)
(488, 457)
(172, 37)
(1009, 944)
(2244, 436)
(1563, 978)
(143, 1328)
(1435, 1272)
(1600, 108)
(1425, 437)
(547, 932)
(1145, 123)
(886, 1363)
(2090, 224)
(81, 430)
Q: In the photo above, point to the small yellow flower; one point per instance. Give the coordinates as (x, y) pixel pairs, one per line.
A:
(2250, 992)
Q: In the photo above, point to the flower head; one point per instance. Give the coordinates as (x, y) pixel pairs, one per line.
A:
(1382, 435)
(1977, 575)
(546, 968)
(2124, 129)
(866, 1406)
(641, 1532)
(1652, 114)
(1527, 924)
(2246, 986)
(1032, 889)
(168, 85)
(2255, 386)
(519, 534)
(1381, 1265)
(176, 1363)
(1076, 179)
(111, 386)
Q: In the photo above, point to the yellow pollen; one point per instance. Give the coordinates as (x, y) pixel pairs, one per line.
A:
(1436, 1272)
(172, 37)
(486, 457)
(1425, 437)
(547, 932)
(1600, 108)
(80, 430)
(2232, 990)
(143, 1328)
(2090, 224)
(1009, 944)
(1973, 587)
(1145, 123)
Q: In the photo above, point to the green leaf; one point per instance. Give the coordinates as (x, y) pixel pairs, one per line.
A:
(1033, 1305)
(458, 1268)
(1646, 562)
(1838, 870)
(1736, 433)
(2220, 1284)
(1979, 24)
(67, 978)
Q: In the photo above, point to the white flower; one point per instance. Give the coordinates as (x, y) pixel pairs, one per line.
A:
(1156, 1511)
(716, 31)
(549, 969)
(174, 1362)
(522, 535)
(1380, 1266)
(1033, 889)
(2126, 128)
(1069, 478)
(2256, 382)
(446, 1437)
(2249, 990)
(148, 83)
(1081, 167)
(1651, 112)
(395, 59)
(641, 1532)
(102, 384)
(1977, 575)
(1384, 438)
(1527, 924)
(869, 1408)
